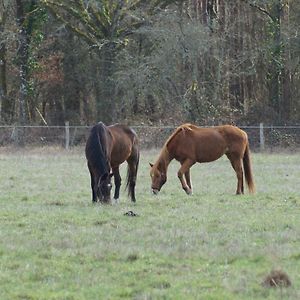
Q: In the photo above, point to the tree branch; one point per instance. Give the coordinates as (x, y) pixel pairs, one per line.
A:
(89, 39)
(261, 9)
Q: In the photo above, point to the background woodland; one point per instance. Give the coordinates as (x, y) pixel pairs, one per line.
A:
(149, 62)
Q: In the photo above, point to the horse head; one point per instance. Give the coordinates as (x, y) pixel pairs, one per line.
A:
(104, 187)
(158, 178)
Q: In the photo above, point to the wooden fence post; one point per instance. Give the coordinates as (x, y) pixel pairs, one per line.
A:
(67, 135)
(261, 137)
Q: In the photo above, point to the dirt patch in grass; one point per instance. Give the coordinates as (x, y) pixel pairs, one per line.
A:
(277, 278)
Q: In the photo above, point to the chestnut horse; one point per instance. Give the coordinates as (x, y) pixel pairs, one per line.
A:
(106, 148)
(190, 144)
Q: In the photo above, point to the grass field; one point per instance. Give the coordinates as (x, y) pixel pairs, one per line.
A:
(55, 244)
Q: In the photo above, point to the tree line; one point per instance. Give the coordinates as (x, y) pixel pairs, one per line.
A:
(149, 62)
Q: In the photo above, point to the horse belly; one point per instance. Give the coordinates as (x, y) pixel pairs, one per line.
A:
(118, 156)
(211, 150)
(208, 157)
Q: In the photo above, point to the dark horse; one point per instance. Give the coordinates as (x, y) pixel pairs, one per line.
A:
(107, 147)
(190, 144)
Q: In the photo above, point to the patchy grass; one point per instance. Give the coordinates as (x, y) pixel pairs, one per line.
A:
(55, 244)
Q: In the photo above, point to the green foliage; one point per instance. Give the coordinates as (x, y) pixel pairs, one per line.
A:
(158, 61)
(165, 72)
(99, 22)
(34, 22)
(54, 244)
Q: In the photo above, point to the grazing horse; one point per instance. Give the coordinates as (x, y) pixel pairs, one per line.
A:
(106, 148)
(190, 144)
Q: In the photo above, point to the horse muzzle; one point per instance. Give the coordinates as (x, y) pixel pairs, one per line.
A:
(104, 199)
(155, 191)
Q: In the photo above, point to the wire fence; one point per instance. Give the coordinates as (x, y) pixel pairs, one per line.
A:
(261, 137)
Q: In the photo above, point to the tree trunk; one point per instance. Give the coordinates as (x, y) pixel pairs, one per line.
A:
(23, 46)
(105, 102)
(287, 86)
(3, 83)
(276, 68)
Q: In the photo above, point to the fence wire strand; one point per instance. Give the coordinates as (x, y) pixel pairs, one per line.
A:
(150, 136)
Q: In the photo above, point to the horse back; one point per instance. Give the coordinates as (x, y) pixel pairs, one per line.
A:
(206, 144)
(236, 139)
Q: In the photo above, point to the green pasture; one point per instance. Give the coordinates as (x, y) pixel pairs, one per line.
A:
(55, 244)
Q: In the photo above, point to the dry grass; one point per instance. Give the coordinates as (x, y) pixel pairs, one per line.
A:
(54, 244)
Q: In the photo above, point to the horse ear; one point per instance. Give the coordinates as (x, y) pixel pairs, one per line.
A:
(151, 165)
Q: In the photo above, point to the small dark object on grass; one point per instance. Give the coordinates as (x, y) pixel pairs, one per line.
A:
(57, 203)
(132, 257)
(130, 213)
(277, 278)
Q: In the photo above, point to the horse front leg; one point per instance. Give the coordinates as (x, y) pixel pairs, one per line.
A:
(118, 181)
(94, 186)
(188, 179)
(185, 169)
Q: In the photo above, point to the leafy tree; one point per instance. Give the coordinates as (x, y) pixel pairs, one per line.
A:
(106, 26)
(207, 61)
(274, 12)
(4, 12)
(28, 18)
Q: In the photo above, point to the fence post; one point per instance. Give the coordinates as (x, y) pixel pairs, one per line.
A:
(67, 133)
(261, 137)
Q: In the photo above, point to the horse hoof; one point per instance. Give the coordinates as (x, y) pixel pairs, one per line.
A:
(189, 192)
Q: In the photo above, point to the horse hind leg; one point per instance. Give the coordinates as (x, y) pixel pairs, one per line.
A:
(236, 163)
(133, 163)
(131, 180)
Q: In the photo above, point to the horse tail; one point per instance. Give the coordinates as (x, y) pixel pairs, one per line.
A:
(248, 170)
(95, 148)
(132, 169)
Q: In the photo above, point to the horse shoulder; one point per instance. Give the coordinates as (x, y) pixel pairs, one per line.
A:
(182, 145)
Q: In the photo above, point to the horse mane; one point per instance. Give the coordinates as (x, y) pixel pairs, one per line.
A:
(96, 148)
(178, 129)
(164, 154)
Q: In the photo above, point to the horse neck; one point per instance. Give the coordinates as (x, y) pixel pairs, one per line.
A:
(164, 160)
